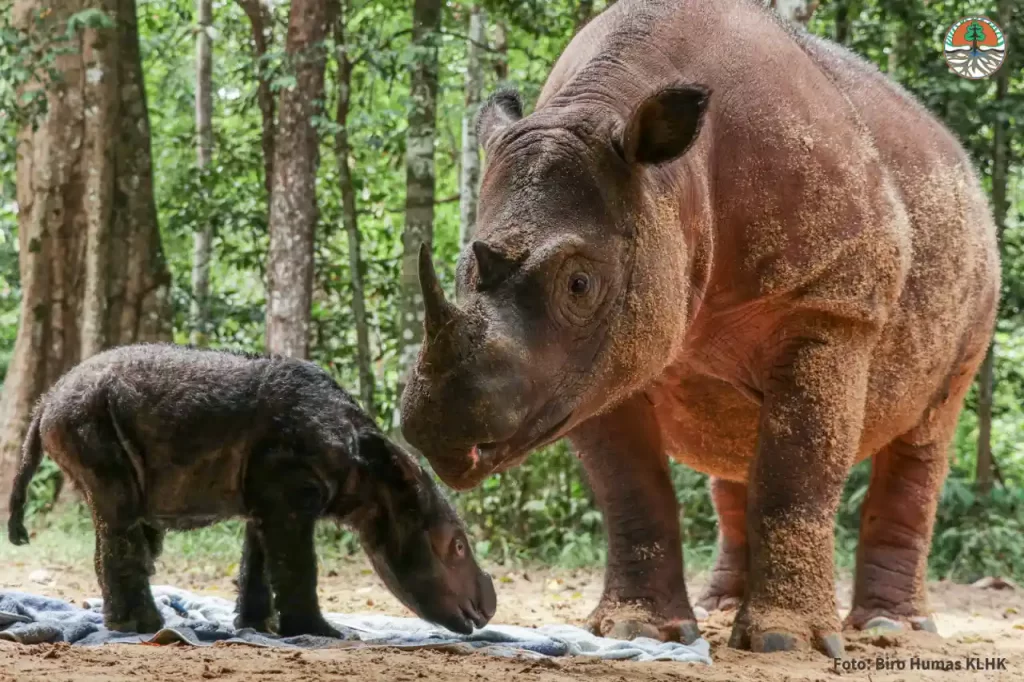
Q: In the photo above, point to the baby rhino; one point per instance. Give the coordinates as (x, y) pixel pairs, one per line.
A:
(161, 436)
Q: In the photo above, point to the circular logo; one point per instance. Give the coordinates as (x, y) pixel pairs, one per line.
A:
(974, 47)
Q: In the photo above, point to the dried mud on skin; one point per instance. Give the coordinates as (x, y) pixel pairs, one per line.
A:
(976, 623)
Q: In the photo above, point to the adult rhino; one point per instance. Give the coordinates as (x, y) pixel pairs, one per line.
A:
(725, 241)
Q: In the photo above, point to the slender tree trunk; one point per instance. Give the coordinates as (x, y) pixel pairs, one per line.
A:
(797, 11)
(293, 209)
(100, 112)
(419, 175)
(85, 201)
(500, 52)
(145, 302)
(349, 217)
(203, 238)
(841, 33)
(469, 179)
(1000, 162)
(584, 12)
(262, 22)
(986, 383)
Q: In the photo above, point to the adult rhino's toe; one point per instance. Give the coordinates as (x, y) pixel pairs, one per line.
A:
(630, 629)
(888, 621)
(883, 624)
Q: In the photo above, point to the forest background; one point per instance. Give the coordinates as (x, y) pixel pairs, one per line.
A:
(258, 175)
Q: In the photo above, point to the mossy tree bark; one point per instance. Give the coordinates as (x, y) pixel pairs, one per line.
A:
(584, 12)
(469, 175)
(293, 209)
(349, 215)
(202, 240)
(262, 22)
(420, 179)
(797, 11)
(985, 466)
(85, 198)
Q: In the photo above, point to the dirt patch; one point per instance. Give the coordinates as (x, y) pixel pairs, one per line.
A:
(975, 624)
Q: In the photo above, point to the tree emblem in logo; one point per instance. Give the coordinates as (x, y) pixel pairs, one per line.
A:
(975, 48)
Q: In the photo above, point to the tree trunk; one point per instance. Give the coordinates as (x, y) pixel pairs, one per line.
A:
(584, 11)
(469, 179)
(203, 238)
(841, 33)
(100, 109)
(1000, 161)
(500, 52)
(419, 176)
(293, 209)
(144, 298)
(85, 200)
(797, 11)
(262, 22)
(349, 217)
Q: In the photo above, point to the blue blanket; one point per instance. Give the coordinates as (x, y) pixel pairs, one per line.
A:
(202, 620)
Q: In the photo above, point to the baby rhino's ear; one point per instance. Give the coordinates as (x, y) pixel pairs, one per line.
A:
(387, 459)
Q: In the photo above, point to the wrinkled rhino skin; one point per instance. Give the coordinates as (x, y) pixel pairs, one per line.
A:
(721, 240)
(159, 436)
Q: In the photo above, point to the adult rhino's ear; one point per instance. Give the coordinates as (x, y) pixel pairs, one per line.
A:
(665, 124)
(501, 110)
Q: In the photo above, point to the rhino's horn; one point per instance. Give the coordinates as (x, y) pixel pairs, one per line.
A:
(436, 309)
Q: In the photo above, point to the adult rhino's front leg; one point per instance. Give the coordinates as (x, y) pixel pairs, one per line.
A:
(811, 421)
(644, 591)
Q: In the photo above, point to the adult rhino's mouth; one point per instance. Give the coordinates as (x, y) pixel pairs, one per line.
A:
(493, 458)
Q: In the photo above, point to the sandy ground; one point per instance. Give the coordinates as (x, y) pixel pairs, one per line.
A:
(975, 624)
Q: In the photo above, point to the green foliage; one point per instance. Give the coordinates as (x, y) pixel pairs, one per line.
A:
(542, 510)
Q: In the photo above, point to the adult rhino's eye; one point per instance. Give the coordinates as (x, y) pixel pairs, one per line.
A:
(579, 284)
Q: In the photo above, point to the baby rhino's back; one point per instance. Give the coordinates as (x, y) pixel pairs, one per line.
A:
(186, 420)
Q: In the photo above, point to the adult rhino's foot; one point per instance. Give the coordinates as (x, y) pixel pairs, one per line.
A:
(629, 620)
(787, 631)
(728, 581)
(889, 620)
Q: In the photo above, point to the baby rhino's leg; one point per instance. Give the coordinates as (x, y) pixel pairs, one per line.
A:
(285, 501)
(255, 603)
(124, 559)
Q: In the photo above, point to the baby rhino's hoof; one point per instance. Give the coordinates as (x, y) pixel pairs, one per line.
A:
(290, 627)
(145, 622)
(265, 625)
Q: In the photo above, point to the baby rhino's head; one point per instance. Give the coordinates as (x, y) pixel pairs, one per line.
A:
(416, 541)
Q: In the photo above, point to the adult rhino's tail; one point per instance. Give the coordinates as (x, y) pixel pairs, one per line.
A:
(31, 455)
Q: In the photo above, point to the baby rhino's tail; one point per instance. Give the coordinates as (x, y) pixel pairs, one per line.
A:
(31, 455)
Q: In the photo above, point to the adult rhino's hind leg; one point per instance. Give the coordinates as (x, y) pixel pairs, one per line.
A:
(644, 591)
(897, 519)
(729, 576)
(895, 536)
